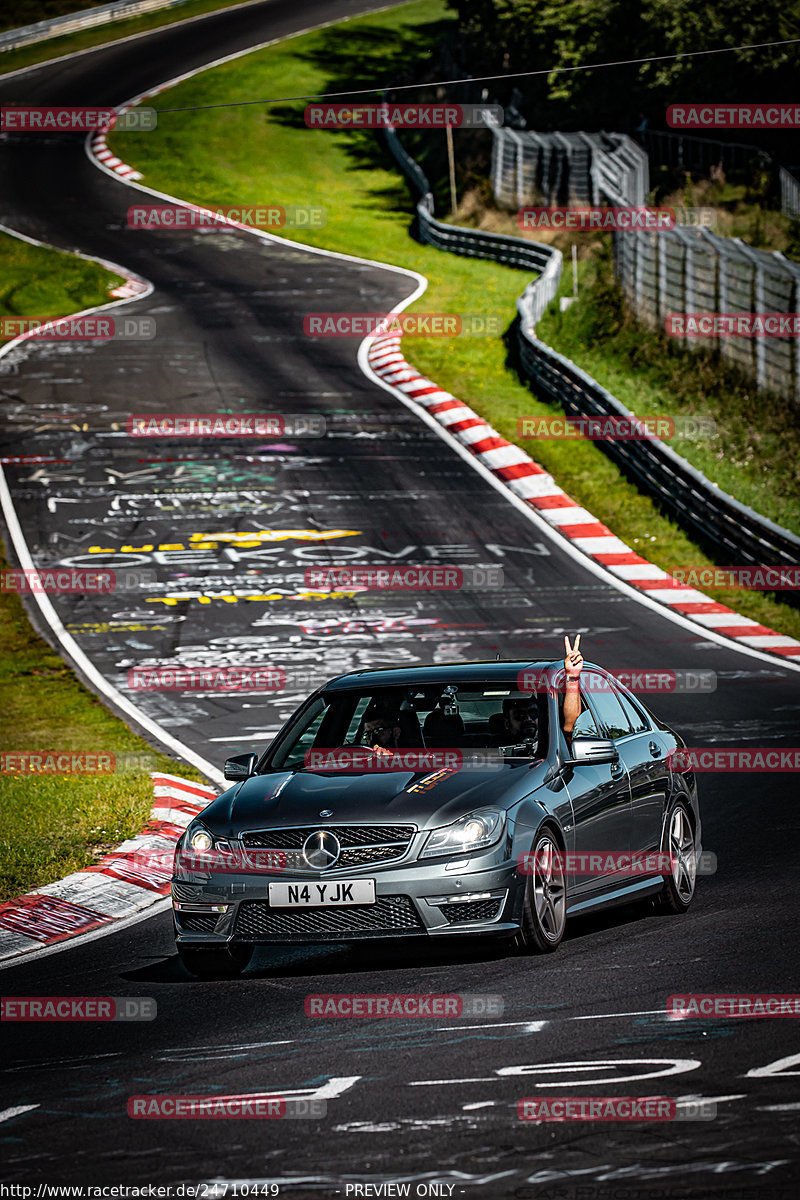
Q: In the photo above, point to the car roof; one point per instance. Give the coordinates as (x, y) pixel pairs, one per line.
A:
(456, 672)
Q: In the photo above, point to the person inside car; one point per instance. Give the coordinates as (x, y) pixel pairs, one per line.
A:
(521, 719)
(521, 713)
(381, 730)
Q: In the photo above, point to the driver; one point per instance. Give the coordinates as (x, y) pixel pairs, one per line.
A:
(521, 717)
(381, 729)
(521, 713)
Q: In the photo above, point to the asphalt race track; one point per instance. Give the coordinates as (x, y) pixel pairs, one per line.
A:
(432, 1103)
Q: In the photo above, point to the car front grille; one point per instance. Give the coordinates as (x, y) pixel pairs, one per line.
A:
(193, 893)
(362, 845)
(348, 835)
(476, 910)
(256, 921)
(197, 922)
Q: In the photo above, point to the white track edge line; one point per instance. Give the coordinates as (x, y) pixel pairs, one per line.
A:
(362, 358)
(113, 925)
(422, 282)
(552, 534)
(132, 37)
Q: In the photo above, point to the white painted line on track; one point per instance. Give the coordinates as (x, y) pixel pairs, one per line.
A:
(8, 1113)
(77, 656)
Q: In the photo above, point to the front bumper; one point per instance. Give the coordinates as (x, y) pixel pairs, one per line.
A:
(416, 899)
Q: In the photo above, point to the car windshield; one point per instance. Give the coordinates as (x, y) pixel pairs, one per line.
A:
(491, 723)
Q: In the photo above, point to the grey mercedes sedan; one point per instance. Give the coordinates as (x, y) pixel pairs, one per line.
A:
(440, 801)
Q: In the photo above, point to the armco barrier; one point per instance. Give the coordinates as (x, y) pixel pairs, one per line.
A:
(87, 18)
(743, 534)
(513, 251)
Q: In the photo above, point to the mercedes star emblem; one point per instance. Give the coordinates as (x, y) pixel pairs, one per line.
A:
(321, 849)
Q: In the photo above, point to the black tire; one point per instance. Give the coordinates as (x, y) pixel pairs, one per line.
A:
(225, 963)
(679, 842)
(544, 908)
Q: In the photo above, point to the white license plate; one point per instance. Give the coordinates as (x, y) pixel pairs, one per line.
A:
(315, 894)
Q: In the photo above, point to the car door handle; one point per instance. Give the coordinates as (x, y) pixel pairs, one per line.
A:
(655, 750)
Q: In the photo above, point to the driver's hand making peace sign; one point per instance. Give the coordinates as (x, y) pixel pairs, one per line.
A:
(573, 662)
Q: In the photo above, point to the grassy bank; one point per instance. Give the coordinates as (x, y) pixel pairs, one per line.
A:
(755, 451)
(39, 282)
(260, 154)
(55, 824)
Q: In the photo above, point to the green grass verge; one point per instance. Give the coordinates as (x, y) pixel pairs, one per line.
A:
(53, 824)
(252, 155)
(754, 453)
(38, 282)
(26, 56)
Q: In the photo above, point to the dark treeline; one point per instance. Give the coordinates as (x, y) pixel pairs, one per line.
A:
(508, 36)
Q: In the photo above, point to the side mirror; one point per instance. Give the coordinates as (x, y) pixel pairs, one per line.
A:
(240, 766)
(593, 750)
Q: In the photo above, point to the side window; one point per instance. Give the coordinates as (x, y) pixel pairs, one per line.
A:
(585, 726)
(637, 721)
(612, 721)
(355, 722)
(293, 753)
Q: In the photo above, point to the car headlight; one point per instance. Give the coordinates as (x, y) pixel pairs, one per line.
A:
(475, 831)
(201, 841)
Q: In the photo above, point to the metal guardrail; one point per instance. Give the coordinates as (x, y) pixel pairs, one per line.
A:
(671, 271)
(694, 270)
(711, 514)
(790, 194)
(87, 18)
(564, 168)
(743, 534)
(513, 251)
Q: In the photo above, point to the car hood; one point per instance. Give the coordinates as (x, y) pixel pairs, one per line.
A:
(285, 798)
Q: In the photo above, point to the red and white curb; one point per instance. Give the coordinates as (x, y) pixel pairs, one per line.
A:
(131, 288)
(527, 480)
(133, 877)
(110, 160)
